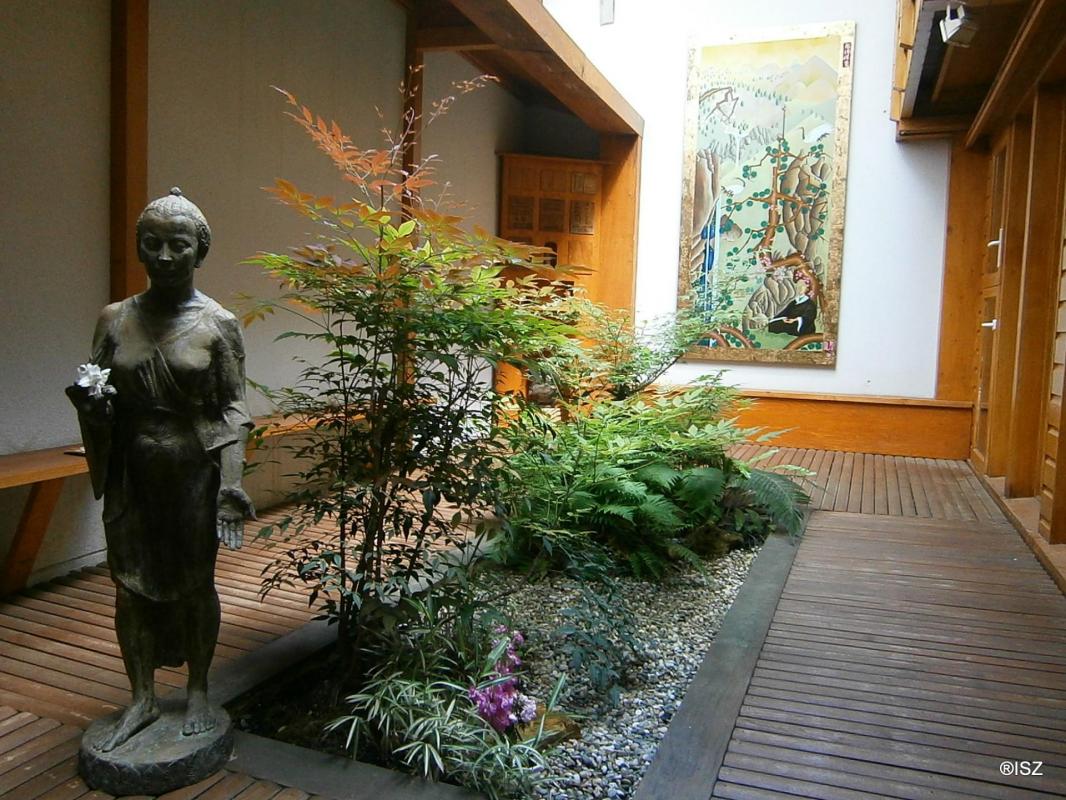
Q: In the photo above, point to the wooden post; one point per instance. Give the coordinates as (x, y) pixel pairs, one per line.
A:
(129, 141)
(963, 259)
(1038, 300)
(618, 239)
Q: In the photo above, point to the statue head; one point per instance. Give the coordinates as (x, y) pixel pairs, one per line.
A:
(169, 206)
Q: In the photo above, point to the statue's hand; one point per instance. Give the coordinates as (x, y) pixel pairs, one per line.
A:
(234, 507)
(96, 408)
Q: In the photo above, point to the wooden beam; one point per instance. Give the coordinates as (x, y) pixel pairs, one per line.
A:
(964, 254)
(883, 425)
(906, 25)
(1041, 36)
(911, 129)
(129, 141)
(531, 38)
(455, 38)
(618, 220)
(1038, 301)
(32, 527)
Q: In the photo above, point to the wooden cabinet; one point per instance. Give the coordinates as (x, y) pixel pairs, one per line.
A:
(557, 203)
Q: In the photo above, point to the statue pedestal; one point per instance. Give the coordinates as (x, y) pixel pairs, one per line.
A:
(159, 758)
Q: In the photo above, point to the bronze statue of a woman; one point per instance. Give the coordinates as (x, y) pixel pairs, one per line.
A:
(165, 441)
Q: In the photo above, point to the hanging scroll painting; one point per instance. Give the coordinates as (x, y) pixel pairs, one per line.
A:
(766, 143)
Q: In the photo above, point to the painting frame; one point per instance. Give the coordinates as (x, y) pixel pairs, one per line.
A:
(814, 349)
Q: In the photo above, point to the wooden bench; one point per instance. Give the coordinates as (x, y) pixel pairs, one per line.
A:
(44, 472)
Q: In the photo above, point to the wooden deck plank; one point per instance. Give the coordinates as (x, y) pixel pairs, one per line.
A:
(893, 493)
(15, 720)
(908, 655)
(815, 486)
(868, 504)
(26, 733)
(196, 790)
(70, 789)
(844, 479)
(831, 779)
(896, 635)
(798, 706)
(59, 781)
(1007, 717)
(260, 790)
(858, 463)
(880, 486)
(885, 485)
(227, 788)
(917, 489)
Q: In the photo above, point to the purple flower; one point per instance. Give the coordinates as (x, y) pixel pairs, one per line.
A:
(500, 704)
(527, 711)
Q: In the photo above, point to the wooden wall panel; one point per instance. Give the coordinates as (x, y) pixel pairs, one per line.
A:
(963, 256)
(883, 425)
(1037, 309)
(1052, 522)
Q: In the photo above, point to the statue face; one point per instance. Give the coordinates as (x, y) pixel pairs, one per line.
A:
(168, 249)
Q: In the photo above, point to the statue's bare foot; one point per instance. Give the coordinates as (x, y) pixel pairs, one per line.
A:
(198, 716)
(138, 716)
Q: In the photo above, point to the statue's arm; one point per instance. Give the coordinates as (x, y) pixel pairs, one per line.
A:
(234, 504)
(95, 414)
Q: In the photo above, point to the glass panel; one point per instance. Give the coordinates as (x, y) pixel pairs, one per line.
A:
(995, 211)
(988, 312)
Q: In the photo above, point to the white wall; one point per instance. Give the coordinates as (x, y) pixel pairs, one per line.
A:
(54, 147)
(466, 139)
(218, 130)
(896, 196)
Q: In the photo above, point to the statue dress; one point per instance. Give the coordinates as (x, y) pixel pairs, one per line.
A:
(180, 399)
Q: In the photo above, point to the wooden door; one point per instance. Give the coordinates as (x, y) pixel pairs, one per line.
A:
(1000, 289)
(982, 442)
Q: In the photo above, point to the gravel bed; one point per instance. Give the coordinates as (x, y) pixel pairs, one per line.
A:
(674, 624)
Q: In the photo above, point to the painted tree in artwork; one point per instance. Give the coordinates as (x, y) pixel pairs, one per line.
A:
(794, 203)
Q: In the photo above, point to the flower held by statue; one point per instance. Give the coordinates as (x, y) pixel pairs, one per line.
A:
(91, 377)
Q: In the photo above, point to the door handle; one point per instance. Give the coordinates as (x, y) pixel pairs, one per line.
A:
(993, 324)
(998, 244)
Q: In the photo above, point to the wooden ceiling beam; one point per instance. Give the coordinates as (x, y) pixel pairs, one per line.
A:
(531, 38)
(453, 38)
(912, 128)
(1040, 38)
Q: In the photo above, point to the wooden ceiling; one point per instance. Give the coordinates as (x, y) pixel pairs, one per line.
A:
(520, 43)
(941, 90)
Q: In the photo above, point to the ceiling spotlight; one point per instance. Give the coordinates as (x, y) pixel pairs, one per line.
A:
(958, 27)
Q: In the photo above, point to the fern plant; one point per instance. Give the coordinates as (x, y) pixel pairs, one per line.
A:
(623, 468)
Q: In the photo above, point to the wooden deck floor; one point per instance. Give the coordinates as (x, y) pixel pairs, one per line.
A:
(864, 483)
(60, 668)
(913, 650)
(916, 646)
